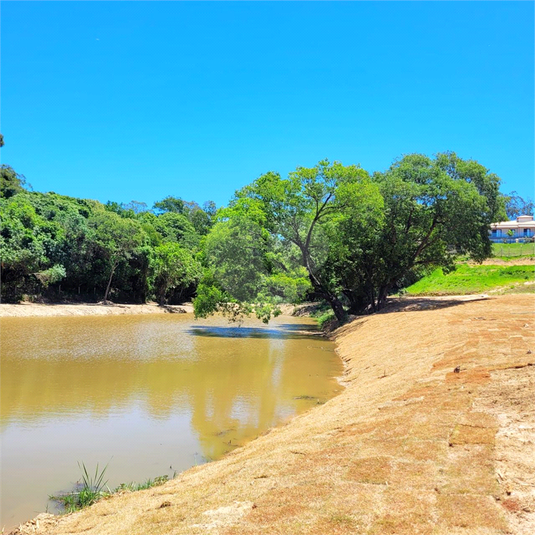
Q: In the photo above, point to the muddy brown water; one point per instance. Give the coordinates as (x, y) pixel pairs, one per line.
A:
(148, 395)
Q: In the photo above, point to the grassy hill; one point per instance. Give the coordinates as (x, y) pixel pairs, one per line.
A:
(468, 279)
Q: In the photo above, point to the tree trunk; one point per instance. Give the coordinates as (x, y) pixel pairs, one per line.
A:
(382, 295)
(335, 303)
(109, 282)
(372, 298)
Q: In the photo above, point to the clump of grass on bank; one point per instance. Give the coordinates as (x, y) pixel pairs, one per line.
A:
(93, 488)
(467, 279)
(326, 319)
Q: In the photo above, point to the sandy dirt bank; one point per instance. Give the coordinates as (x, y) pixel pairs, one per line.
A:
(523, 261)
(434, 434)
(87, 309)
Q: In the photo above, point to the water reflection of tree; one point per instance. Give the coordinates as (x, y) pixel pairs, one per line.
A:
(234, 387)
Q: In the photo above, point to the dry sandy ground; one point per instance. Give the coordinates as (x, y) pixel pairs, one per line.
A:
(434, 434)
(523, 261)
(87, 309)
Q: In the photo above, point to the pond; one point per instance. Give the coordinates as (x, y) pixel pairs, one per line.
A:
(148, 395)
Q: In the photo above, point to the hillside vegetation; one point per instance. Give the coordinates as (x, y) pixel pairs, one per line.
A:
(332, 232)
(469, 279)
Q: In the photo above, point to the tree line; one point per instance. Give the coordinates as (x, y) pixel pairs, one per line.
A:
(57, 246)
(331, 232)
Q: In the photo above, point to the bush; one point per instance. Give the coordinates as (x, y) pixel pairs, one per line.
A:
(326, 320)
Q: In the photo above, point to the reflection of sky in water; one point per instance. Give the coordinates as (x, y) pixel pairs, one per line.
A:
(147, 392)
(209, 408)
(276, 374)
(243, 412)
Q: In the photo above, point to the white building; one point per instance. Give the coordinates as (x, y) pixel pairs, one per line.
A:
(520, 229)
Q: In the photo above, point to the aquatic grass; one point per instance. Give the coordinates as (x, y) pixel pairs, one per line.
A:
(92, 488)
(94, 483)
(89, 490)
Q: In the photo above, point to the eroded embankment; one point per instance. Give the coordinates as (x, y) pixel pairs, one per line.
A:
(410, 447)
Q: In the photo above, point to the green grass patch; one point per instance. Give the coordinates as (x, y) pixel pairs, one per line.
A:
(512, 250)
(320, 309)
(132, 487)
(92, 488)
(468, 279)
(326, 318)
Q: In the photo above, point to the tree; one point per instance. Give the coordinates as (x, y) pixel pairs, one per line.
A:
(22, 245)
(210, 208)
(296, 213)
(472, 172)
(174, 268)
(51, 275)
(136, 207)
(300, 209)
(353, 236)
(516, 206)
(235, 252)
(201, 221)
(169, 204)
(434, 209)
(176, 227)
(28, 243)
(11, 182)
(116, 238)
(248, 271)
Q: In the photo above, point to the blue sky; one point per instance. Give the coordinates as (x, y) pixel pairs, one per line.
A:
(139, 100)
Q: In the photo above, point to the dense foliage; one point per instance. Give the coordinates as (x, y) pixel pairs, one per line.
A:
(358, 237)
(61, 247)
(330, 232)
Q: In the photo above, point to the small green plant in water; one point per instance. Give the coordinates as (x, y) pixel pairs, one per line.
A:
(94, 483)
(89, 490)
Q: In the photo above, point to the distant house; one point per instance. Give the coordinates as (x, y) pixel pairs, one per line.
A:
(520, 229)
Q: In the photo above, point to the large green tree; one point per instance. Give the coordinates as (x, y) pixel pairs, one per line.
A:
(434, 209)
(116, 239)
(293, 215)
(11, 182)
(175, 270)
(24, 239)
(302, 208)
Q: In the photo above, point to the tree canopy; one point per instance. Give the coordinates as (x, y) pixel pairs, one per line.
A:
(63, 247)
(516, 206)
(358, 237)
(331, 232)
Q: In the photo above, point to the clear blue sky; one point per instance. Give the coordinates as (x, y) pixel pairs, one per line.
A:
(139, 100)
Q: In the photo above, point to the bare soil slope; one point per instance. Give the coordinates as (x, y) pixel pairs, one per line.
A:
(434, 434)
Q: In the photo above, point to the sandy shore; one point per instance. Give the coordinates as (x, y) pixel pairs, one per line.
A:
(87, 309)
(433, 434)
